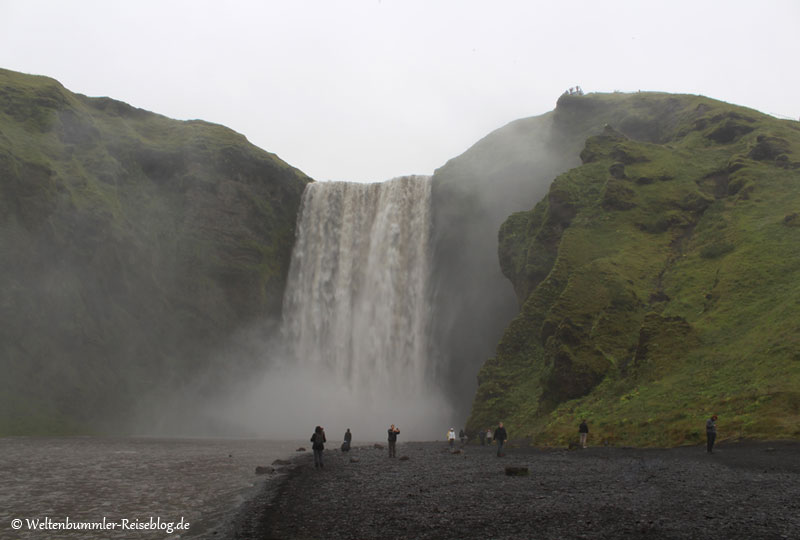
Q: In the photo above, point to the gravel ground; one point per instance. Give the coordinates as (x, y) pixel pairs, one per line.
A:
(744, 490)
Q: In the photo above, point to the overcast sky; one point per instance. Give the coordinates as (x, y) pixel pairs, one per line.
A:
(369, 90)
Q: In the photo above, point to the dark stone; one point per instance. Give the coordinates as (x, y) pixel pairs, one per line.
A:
(281, 462)
(659, 296)
(404, 458)
(264, 470)
(516, 471)
(354, 460)
(769, 148)
(617, 196)
(617, 170)
(301, 449)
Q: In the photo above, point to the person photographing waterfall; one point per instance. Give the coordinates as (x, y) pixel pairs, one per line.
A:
(393, 431)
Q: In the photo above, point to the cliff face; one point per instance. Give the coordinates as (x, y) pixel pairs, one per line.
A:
(133, 247)
(658, 280)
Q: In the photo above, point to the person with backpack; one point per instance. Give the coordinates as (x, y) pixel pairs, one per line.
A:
(348, 437)
(318, 445)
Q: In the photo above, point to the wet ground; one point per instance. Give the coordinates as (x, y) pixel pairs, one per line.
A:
(92, 479)
(744, 490)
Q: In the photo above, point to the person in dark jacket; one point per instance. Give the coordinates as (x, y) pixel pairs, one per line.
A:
(348, 438)
(500, 436)
(318, 445)
(393, 431)
(583, 429)
(711, 433)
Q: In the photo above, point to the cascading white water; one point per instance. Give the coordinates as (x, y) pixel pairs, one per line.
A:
(356, 310)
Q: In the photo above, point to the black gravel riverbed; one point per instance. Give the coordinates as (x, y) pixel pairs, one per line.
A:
(743, 490)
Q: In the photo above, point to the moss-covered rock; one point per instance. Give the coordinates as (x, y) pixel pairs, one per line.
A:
(134, 246)
(657, 280)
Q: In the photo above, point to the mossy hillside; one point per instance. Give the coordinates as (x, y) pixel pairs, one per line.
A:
(137, 244)
(508, 171)
(658, 286)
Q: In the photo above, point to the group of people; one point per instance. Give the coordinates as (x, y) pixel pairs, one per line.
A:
(500, 436)
(451, 437)
(318, 441)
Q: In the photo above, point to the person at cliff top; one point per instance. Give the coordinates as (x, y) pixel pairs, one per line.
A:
(393, 431)
(451, 436)
(583, 429)
(711, 433)
(501, 437)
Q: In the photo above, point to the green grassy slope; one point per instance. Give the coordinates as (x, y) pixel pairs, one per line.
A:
(658, 280)
(133, 245)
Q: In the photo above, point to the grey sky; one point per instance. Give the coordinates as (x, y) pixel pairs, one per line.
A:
(369, 90)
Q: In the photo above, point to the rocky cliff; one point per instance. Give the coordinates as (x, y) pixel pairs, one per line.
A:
(658, 280)
(133, 247)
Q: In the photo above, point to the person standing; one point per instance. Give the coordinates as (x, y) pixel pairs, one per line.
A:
(318, 445)
(393, 431)
(348, 438)
(711, 433)
(482, 437)
(451, 436)
(463, 436)
(489, 436)
(500, 436)
(583, 429)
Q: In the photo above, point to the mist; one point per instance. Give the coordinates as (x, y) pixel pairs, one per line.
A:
(507, 171)
(287, 401)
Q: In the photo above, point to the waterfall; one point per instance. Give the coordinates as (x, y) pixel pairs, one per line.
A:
(357, 309)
